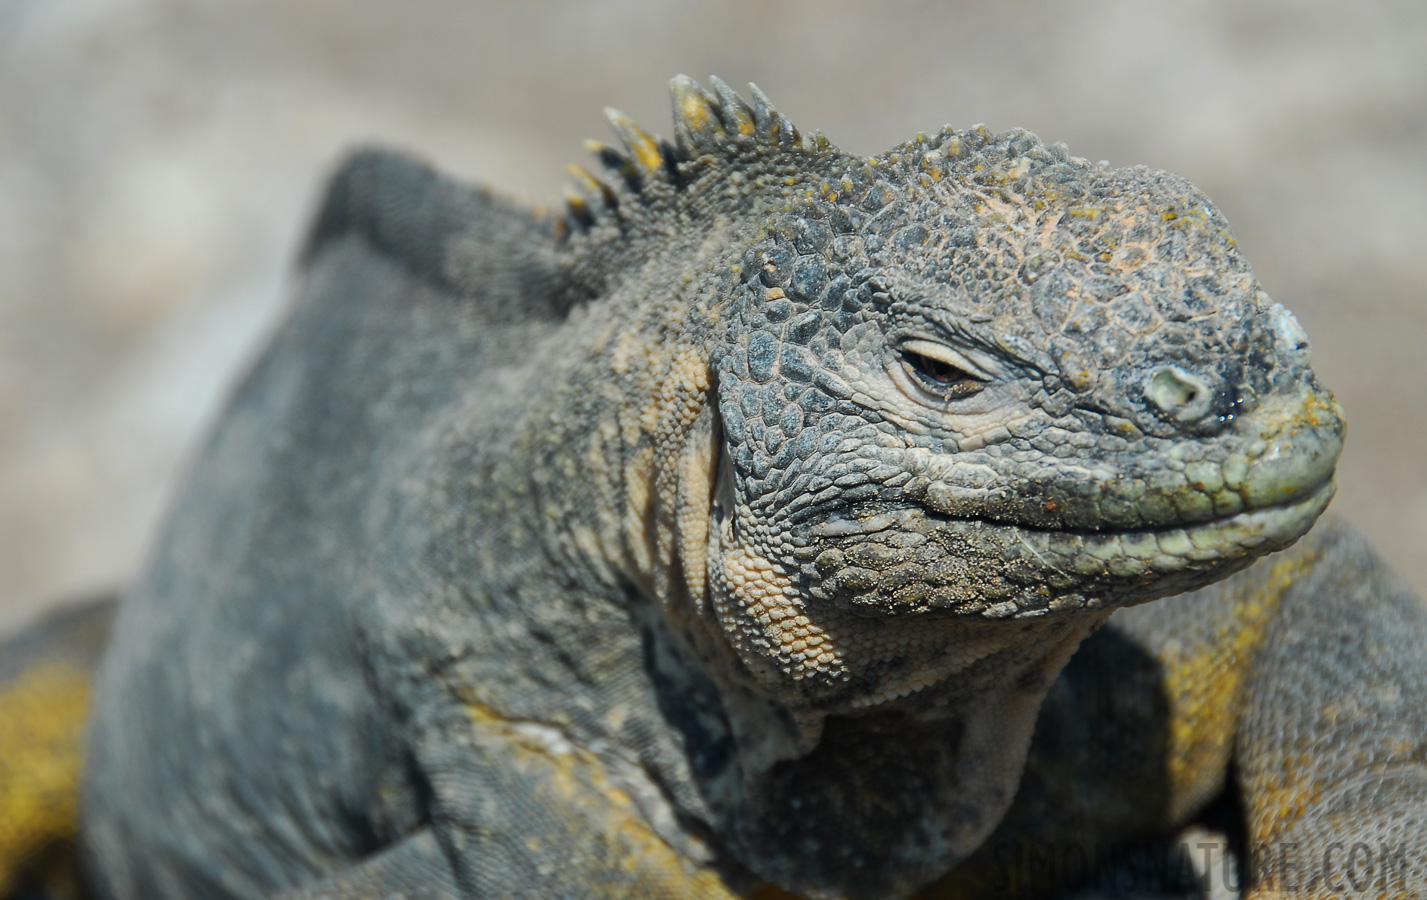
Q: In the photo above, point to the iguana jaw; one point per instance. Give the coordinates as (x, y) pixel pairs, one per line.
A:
(1133, 527)
(997, 570)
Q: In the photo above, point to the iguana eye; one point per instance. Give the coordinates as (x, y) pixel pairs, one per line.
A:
(929, 369)
(939, 370)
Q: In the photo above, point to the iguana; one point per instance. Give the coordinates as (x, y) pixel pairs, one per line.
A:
(725, 533)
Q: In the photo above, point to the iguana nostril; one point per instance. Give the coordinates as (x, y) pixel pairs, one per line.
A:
(1179, 395)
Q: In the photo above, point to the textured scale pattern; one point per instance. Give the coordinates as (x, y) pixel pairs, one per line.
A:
(769, 521)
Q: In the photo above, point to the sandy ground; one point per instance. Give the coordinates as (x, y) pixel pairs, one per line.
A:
(158, 160)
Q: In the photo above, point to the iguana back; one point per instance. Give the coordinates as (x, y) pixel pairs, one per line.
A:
(418, 295)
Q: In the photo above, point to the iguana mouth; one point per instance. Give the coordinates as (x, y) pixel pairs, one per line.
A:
(913, 561)
(978, 538)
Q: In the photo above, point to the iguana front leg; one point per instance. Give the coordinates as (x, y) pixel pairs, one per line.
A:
(1332, 745)
(415, 868)
(535, 817)
(526, 812)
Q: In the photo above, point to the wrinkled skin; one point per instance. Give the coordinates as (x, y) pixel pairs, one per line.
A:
(729, 531)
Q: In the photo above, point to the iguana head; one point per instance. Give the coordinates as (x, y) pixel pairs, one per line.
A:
(971, 386)
(976, 385)
(969, 396)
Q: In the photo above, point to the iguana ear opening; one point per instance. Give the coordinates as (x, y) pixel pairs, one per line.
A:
(721, 502)
(687, 484)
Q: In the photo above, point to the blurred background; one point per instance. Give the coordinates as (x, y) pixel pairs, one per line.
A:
(159, 160)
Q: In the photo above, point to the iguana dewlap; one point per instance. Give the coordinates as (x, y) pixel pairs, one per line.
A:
(725, 534)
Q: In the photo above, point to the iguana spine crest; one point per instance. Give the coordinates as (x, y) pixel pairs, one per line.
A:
(707, 125)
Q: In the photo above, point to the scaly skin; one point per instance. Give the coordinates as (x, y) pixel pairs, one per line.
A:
(45, 676)
(721, 537)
